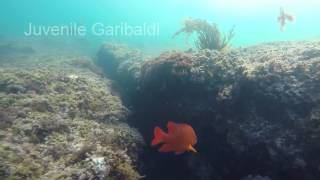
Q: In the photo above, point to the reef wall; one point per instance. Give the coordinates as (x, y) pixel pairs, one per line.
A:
(256, 110)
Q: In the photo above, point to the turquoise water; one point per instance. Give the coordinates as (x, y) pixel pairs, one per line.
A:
(64, 114)
(255, 21)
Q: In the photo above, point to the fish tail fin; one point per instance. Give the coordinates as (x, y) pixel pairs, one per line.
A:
(158, 136)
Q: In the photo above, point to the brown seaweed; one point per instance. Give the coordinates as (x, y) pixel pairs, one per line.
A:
(209, 35)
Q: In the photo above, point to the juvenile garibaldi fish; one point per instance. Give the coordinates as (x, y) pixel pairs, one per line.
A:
(284, 17)
(180, 138)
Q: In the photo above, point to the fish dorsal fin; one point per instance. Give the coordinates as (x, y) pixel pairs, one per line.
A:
(171, 127)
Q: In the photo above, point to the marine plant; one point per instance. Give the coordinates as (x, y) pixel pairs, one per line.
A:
(209, 35)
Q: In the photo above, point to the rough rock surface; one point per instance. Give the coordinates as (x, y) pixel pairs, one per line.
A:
(256, 110)
(110, 56)
(59, 119)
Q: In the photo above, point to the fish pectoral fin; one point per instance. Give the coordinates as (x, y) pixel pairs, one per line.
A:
(192, 149)
(165, 148)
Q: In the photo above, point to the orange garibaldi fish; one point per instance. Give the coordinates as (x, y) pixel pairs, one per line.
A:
(180, 138)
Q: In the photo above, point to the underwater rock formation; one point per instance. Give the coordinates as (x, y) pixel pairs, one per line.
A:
(111, 55)
(256, 110)
(59, 121)
(12, 51)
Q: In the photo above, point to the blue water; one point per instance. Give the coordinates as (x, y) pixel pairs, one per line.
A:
(255, 21)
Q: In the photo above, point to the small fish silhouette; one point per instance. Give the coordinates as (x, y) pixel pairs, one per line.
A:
(284, 17)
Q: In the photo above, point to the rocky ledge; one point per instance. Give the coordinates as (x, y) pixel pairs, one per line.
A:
(256, 110)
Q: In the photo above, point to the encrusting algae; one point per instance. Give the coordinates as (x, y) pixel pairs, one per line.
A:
(61, 121)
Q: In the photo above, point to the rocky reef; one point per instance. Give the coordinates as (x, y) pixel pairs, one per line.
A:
(256, 110)
(60, 119)
(110, 56)
(10, 51)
